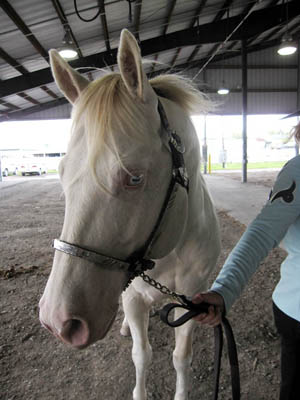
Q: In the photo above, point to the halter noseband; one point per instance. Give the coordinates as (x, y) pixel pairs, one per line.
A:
(137, 262)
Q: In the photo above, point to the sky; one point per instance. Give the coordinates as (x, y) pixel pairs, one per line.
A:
(52, 135)
(258, 126)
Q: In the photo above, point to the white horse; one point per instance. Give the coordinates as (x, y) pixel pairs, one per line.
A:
(115, 177)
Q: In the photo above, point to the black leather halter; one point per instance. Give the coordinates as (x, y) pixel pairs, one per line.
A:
(138, 262)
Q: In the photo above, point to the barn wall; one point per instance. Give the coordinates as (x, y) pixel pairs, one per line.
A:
(272, 83)
(60, 112)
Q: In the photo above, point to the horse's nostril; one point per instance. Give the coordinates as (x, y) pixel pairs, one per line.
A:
(75, 326)
(76, 332)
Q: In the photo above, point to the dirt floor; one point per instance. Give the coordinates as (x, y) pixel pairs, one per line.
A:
(34, 365)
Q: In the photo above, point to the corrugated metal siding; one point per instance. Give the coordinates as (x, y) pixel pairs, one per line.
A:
(258, 103)
(271, 90)
(60, 112)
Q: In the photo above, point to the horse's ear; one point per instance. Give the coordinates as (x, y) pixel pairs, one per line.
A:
(130, 65)
(69, 81)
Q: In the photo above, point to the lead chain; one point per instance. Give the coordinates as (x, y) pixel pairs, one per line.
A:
(163, 289)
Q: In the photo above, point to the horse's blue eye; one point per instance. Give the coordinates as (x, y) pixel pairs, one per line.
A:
(135, 180)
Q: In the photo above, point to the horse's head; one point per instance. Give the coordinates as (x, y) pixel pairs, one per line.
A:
(115, 178)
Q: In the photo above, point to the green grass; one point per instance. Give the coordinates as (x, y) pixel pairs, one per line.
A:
(256, 165)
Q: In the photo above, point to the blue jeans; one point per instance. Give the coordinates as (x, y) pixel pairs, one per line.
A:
(289, 331)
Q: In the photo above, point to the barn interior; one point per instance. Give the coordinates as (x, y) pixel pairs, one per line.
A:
(229, 48)
(231, 45)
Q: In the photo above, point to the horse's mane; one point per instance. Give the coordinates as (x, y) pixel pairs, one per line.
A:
(183, 92)
(106, 106)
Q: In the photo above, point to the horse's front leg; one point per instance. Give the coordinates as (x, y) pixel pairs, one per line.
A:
(182, 357)
(137, 315)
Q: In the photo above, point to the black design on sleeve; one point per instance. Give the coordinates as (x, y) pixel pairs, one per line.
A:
(287, 194)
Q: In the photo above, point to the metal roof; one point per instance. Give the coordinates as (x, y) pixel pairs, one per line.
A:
(180, 35)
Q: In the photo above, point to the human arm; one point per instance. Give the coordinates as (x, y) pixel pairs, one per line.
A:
(263, 234)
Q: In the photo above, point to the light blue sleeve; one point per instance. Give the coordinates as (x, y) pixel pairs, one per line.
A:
(262, 235)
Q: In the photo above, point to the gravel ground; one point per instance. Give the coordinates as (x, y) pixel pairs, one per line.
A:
(33, 365)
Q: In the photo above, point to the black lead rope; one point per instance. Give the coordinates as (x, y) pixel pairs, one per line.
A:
(196, 309)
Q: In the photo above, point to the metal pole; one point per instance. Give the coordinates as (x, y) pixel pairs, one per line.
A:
(298, 93)
(245, 110)
(204, 148)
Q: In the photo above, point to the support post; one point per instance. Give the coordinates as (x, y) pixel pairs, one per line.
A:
(298, 93)
(0, 169)
(204, 148)
(245, 110)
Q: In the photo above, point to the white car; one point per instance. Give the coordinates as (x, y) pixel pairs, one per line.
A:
(34, 165)
(8, 166)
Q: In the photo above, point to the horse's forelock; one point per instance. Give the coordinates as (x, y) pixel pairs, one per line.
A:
(105, 107)
(103, 110)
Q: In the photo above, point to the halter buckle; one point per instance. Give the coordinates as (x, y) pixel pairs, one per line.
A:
(176, 142)
(181, 176)
(140, 265)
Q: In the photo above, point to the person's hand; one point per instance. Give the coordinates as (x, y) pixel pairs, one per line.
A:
(215, 310)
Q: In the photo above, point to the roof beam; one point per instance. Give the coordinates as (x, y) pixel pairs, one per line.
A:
(198, 12)
(218, 17)
(221, 57)
(260, 67)
(12, 14)
(258, 22)
(22, 70)
(170, 9)
(137, 18)
(246, 10)
(17, 20)
(194, 20)
(22, 114)
(104, 24)
(104, 27)
(12, 62)
(277, 29)
(8, 105)
(28, 98)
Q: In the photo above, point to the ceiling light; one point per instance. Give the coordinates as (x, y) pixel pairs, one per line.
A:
(68, 53)
(223, 90)
(68, 49)
(287, 47)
